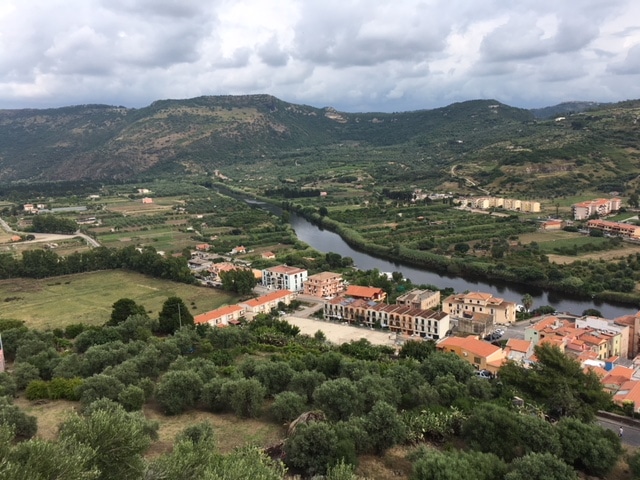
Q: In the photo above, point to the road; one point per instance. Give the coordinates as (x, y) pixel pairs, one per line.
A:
(49, 237)
(631, 435)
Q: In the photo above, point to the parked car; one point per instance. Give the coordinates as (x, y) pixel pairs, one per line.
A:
(486, 374)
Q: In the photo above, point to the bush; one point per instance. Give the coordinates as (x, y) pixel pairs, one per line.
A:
(287, 406)
(37, 390)
(178, 390)
(24, 426)
(132, 398)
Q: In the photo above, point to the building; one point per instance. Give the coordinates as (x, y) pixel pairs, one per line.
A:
(399, 319)
(284, 277)
(221, 317)
(552, 225)
(599, 207)
(422, 299)
(324, 285)
(484, 203)
(482, 355)
(616, 229)
(519, 351)
(582, 337)
(464, 305)
(203, 247)
(366, 293)
(240, 249)
(268, 255)
(147, 200)
(633, 322)
(266, 303)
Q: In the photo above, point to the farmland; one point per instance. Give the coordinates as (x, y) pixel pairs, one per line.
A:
(87, 298)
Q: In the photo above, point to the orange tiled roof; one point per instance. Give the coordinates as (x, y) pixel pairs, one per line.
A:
(518, 345)
(629, 391)
(365, 292)
(215, 314)
(255, 302)
(285, 269)
(619, 372)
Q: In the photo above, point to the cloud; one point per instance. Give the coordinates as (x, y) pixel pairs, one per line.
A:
(630, 65)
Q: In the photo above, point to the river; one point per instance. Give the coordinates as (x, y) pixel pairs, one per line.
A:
(326, 241)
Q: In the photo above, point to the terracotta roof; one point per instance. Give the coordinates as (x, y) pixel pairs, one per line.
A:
(255, 302)
(215, 314)
(628, 320)
(545, 322)
(364, 292)
(629, 391)
(472, 344)
(324, 276)
(619, 372)
(519, 345)
(285, 269)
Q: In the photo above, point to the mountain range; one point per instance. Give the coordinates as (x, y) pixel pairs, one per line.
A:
(499, 146)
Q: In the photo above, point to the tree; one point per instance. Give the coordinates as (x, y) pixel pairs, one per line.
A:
(592, 312)
(440, 364)
(275, 376)
(461, 247)
(588, 447)
(312, 448)
(241, 281)
(540, 466)
(634, 200)
(527, 302)
(454, 465)
(178, 391)
(99, 386)
(338, 399)
(22, 425)
(174, 314)
(306, 382)
(245, 396)
(287, 406)
(384, 427)
(420, 350)
(123, 309)
(118, 440)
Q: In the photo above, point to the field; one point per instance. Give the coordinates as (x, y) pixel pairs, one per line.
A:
(88, 297)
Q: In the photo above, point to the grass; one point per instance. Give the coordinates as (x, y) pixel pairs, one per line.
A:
(88, 297)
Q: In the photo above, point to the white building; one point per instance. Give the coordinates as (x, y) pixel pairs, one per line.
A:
(284, 277)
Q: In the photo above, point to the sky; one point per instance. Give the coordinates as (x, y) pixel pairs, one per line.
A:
(353, 55)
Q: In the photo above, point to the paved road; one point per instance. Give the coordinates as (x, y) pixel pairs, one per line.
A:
(49, 237)
(631, 435)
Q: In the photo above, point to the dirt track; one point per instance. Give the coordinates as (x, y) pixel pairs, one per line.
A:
(338, 333)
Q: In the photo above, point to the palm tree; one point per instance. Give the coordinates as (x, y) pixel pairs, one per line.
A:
(527, 301)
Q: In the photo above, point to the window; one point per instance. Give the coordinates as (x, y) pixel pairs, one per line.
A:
(476, 360)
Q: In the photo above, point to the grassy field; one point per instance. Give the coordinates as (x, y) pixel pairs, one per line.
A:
(88, 297)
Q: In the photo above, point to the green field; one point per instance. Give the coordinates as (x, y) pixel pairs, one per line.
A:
(88, 297)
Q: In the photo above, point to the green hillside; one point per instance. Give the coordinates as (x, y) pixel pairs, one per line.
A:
(502, 149)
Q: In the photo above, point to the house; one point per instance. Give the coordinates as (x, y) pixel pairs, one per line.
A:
(268, 255)
(30, 208)
(552, 225)
(599, 207)
(147, 200)
(616, 229)
(203, 247)
(284, 277)
(519, 351)
(16, 238)
(198, 263)
(595, 337)
(422, 299)
(143, 190)
(323, 285)
(501, 311)
(367, 293)
(633, 322)
(221, 317)
(238, 250)
(266, 303)
(482, 355)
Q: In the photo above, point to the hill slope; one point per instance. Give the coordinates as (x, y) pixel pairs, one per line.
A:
(499, 146)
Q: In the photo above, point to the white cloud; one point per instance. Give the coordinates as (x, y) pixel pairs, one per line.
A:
(351, 54)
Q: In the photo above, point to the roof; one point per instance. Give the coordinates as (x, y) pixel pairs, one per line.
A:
(618, 375)
(518, 345)
(324, 276)
(472, 344)
(629, 392)
(270, 297)
(285, 270)
(217, 313)
(364, 292)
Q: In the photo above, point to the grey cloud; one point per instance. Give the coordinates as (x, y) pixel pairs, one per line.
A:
(174, 9)
(630, 65)
(272, 54)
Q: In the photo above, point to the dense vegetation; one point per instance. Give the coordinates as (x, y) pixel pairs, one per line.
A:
(361, 400)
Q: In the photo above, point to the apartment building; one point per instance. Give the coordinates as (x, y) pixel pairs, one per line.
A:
(599, 206)
(266, 303)
(283, 277)
(513, 204)
(464, 305)
(616, 229)
(398, 318)
(221, 317)
(422, 299)
(324, 284)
